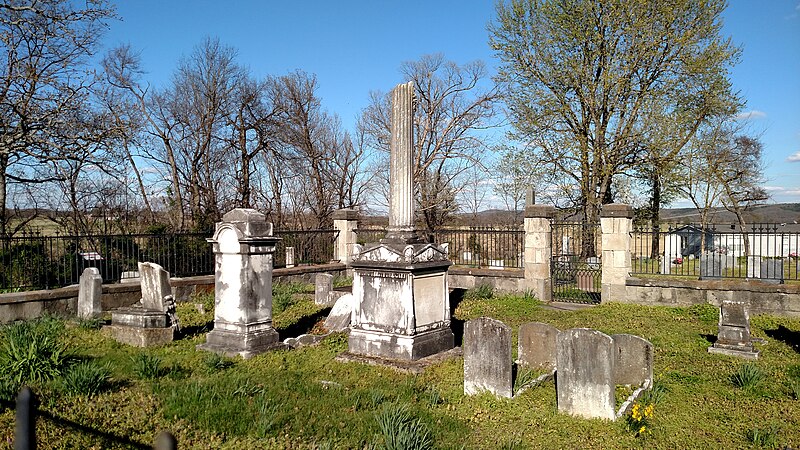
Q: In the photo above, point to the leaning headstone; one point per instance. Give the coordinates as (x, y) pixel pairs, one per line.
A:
(536, 347)
(585, 373)
(155, 286)
(634, 360)
(323, 289)
(734, 331)
(487, 357)
(153, 320)
(772, 270)
(339, 317)
(90, 293)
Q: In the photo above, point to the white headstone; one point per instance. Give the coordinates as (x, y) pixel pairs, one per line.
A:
(90, 293)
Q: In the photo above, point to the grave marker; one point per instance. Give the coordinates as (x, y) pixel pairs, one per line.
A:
(487, 357)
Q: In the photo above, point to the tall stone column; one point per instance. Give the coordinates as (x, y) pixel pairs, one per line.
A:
(538, 234)
(345, 221)
(401, 170)
(616, 223)
(243, 248)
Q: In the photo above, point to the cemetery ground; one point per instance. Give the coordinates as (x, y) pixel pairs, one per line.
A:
(304, 398)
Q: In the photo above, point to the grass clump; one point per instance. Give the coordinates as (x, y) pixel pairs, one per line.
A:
(147, 367)
(216, 363)
(766, 437)
(90, 324)
(33, 351)
(86, 378)
(748, 376)
(654, 395)
(400, 430)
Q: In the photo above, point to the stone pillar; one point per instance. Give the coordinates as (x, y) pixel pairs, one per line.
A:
(345, 221)
(538, 251)
(243, 247)
(401, 173)
(89, 293)
(616, 223)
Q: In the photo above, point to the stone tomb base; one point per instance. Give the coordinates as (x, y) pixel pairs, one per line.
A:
(245, 341)
(397, 346)
(140, 337)
(140, 327)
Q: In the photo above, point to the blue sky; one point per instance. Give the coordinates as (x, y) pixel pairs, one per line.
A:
(355, 47)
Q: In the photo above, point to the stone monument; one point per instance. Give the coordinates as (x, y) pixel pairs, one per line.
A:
(400, 283)
(153, 321)
(243, 247)
(734, 331)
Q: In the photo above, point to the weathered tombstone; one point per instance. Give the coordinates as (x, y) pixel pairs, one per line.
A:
(153, 321)
(734, 331)
(402, 309)
(323, 289)
(585, 373)
(772, 270)
(289, 257)
(536, 347)
(753, 267)
(566, 245)
(634, 360)
(711, 266)
(339, 317)
(487, 357)
(243, 247)
(90, 292)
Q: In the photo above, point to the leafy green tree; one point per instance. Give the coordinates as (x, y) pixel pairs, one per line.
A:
(588, 80)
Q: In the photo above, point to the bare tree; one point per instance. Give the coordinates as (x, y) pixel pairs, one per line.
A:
(44, 84)
(452, 114)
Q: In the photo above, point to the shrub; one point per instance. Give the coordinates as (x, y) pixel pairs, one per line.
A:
(147, 367)
(86, 378)
(33, 351)
(480, 292)
(400, 430)
(747, 376)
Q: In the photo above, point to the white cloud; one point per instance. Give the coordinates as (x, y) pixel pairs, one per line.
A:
(794, 158)
(754, 114)
(774, 188)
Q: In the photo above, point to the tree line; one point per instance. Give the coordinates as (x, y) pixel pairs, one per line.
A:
(606, 100)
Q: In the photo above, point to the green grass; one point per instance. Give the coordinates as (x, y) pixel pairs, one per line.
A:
(304, 398)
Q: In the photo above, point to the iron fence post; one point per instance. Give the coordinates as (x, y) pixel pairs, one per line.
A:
(25, 431)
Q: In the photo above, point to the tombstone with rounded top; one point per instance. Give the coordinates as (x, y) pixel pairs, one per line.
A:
(585, 373)
(536, 347)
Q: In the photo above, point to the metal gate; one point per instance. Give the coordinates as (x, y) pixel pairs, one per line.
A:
(575, 265)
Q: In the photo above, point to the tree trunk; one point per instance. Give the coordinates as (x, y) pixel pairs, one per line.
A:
(654, 213)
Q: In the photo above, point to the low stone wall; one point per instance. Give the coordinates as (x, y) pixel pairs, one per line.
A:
(507, 280)
(64, 301)
(779, 299)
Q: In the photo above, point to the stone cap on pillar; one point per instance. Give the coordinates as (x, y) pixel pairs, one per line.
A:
(249, 222)
(539, 212)
(617, 210)
(345, 214)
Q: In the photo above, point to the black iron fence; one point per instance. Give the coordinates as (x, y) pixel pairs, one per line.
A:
(575, 263)
(34, 261)
(492, 247)
(310, 246)
(767, 252)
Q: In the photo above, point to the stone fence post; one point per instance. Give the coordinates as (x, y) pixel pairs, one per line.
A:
(345, 222)
(538, 251)
(616, 223)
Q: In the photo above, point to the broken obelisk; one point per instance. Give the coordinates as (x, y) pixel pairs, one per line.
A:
(400, 283)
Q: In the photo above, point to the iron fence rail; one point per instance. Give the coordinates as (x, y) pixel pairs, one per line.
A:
(34, 261)
(492, 247)
(762, 251)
